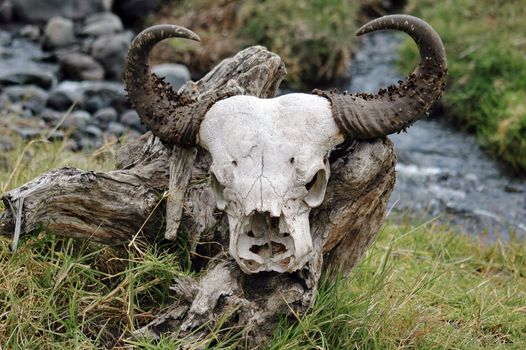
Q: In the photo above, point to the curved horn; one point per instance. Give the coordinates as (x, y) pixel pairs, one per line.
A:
(172, 117)
(391, 110)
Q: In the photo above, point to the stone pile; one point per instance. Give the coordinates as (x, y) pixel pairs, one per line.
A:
(57, 56)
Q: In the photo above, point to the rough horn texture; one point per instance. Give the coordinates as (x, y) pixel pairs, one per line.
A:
(364, 116)
(171, 116)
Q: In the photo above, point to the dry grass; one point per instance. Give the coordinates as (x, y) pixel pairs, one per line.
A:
(418, 287)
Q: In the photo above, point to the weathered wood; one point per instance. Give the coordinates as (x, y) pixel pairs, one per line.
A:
(113, 206)
(181, 164)
(343, 227)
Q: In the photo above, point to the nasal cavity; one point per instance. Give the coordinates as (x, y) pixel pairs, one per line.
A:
(266, 251)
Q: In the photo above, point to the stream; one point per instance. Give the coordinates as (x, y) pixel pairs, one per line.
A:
(441, 173)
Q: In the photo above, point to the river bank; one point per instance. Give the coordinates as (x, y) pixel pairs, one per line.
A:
(441, 172)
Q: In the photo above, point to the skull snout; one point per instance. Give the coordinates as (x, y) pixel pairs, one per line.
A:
(265, 243)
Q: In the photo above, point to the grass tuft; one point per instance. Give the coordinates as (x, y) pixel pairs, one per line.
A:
(486, 50)
(313, 37)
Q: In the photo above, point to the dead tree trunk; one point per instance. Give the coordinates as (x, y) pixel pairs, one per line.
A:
(114, 206)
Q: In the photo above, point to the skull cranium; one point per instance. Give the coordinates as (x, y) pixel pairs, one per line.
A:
(269, 168)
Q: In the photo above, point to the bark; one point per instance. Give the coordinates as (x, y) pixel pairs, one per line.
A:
(108, 207)
(181, 165)
(114, 206)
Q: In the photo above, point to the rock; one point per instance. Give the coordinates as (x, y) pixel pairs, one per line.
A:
(79, 66)
(28, 132)
(59, 32)
(116, 128)
(132, 11)
(26, 74)
(131, 119)
(93, 131)
(16, 109)
(102, 24)
(175, 74)
(107, 94)
(88, 143)
(30, 97)
(51, 116)
(6, 11)
(32, 32)
(5, 38)
(105, 116)
(4, 102)
(31, 133)
(22, 63)
(111, 51)
(77, 119)
(6, 144)
(94, 103)
(39, 11)
(59, 100)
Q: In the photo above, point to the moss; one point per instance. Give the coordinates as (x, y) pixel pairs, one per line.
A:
(486, 51)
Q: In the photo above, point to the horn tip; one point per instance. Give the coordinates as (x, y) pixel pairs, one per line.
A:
(195, 37)
(187, 33)
(361, 31)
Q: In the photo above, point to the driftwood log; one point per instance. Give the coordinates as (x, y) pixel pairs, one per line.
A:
(151, 180)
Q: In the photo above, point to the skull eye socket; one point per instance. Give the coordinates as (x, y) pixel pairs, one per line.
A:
(316, 187)
(311, 183)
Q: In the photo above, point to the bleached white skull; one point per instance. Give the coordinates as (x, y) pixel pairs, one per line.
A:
(269, 169)
(270, 165)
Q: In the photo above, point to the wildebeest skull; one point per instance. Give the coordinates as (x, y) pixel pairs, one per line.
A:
(270, 167)
(270, 156)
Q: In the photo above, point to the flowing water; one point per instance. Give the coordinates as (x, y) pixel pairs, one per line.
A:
(441, 172)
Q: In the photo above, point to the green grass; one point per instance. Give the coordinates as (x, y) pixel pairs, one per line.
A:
(313, 37)
(418, 287)
(486, 51)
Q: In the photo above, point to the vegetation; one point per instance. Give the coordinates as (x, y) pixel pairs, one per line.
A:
(484, 41)
(418, 286)
(486, 49)
(314, 37)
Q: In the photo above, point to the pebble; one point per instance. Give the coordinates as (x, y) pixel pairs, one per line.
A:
(79, 66)
(38, 11)
(78, 119)
(115, 128)
(111, 51)
(31, 74)
(29, 96)
(102, 24)
(50, 116)
(59, 32)
(131, 119)
(93, 131)
(105, 116)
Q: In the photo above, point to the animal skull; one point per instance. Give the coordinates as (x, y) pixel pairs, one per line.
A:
(269, 169)
(270, 156)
